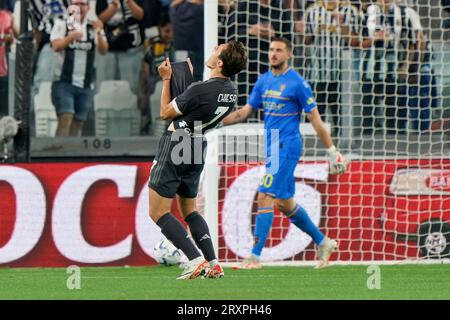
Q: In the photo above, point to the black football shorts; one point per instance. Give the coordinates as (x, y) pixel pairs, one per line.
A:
(172, 173)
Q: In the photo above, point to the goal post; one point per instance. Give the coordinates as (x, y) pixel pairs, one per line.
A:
(211, 25)
(393, 203)
(210, 187)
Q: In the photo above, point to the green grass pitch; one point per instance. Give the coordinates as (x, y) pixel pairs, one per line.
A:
(158, 282)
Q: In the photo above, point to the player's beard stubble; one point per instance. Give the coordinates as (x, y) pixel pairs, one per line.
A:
(277, 66)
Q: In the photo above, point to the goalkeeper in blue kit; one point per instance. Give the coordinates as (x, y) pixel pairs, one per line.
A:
(283, 94)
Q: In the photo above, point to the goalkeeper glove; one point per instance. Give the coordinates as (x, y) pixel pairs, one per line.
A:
(338, 164)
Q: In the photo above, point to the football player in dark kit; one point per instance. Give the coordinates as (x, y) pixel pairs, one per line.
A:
(201, 107)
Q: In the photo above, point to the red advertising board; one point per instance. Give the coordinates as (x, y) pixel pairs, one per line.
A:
(57, 214)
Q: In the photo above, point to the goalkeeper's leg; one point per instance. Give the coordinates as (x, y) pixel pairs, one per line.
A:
(300, 218)
(263, 223)
(281, 184)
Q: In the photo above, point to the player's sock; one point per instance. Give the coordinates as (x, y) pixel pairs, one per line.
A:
(263, 224)
(172, 228)
(300, 218)
(200, 233)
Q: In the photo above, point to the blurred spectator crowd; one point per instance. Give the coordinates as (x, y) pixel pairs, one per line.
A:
(373, 57)
(81, 45)
(370, 62)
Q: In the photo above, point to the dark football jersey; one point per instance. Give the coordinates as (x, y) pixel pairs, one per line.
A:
(181, 78)
(178, 164)
(204, 104)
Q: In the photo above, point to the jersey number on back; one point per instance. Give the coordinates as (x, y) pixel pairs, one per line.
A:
(220, 111)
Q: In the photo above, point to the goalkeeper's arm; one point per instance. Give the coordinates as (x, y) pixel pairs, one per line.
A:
(338, 164)
(238, 115)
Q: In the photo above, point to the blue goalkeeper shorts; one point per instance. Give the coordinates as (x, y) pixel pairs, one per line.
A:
(281, 183)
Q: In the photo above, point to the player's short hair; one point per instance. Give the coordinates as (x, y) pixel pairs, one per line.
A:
(234, 58)
(284, 40)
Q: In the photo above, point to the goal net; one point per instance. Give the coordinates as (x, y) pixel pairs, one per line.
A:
(386, 104)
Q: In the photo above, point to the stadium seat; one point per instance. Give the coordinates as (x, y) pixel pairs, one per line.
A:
(116, 112)
(45, 120)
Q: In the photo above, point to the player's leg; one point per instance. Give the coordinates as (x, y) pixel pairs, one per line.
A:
(187, 191)
(271, 183)
(263, 224)
(286, 204)
(284, 190)
(164, 182)
(300, 218)
(200, 233)
(175, 232)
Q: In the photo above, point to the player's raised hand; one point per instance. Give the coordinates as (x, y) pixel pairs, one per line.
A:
(338, 163)
(165, 70)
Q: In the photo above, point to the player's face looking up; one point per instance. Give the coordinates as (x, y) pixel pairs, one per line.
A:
(227, 59)
(279, 55)
(214, 61)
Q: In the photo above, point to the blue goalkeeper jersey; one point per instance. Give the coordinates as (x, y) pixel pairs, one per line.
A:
(283, 98)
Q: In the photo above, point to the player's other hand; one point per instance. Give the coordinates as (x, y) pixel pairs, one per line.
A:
(165, 70)
(338, 163)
